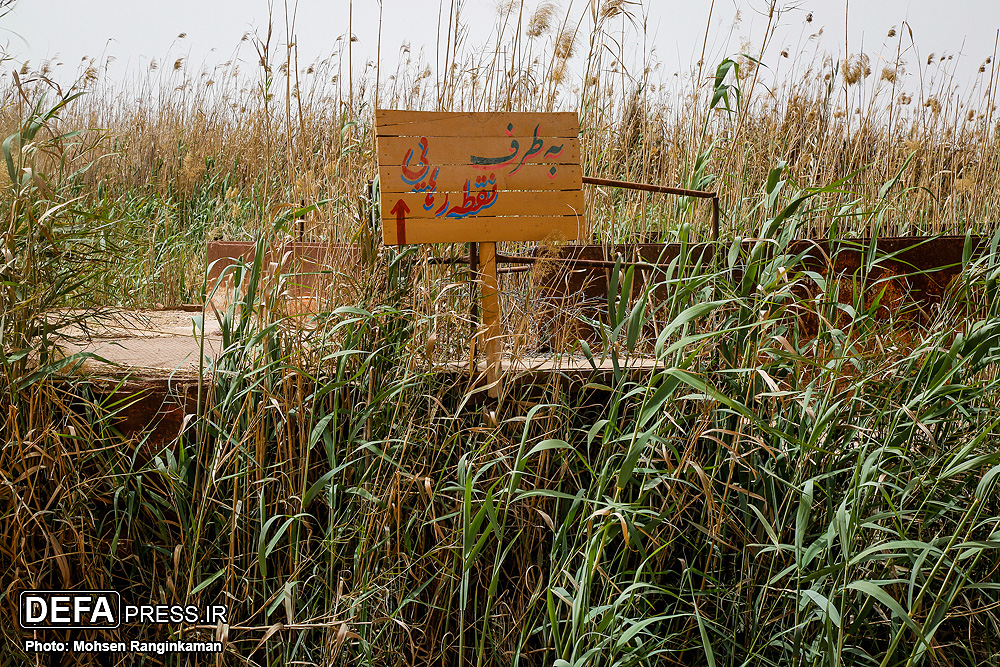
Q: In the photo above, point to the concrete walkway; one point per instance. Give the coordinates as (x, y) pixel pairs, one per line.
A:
(146, 342)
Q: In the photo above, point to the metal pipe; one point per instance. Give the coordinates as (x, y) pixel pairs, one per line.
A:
(648, 187)
(665, 189)
(511, 259)
(583, 263)
(715, 218)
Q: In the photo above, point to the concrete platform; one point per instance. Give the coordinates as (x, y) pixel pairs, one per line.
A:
(147, 343)
(148, 368)
(158, 344)
(541, 371)
(149, 365)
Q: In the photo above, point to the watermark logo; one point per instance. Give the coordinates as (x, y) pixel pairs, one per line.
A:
(69, 609)
(40, 610)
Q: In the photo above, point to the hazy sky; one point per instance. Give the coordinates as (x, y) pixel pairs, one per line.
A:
(134, 31)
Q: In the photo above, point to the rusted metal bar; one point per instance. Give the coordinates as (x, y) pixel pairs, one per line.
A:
(715, 218)
(513, 269)
(649, 187)
(582, 263)
(665, 189)
(512, 259)
(448, 260)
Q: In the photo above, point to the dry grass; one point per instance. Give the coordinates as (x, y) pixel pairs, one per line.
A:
(763, 497)
(180, 131)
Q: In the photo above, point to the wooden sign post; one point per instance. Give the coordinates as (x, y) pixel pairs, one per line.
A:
(481, 178)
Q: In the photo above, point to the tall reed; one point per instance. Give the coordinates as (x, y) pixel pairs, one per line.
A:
(764, 495)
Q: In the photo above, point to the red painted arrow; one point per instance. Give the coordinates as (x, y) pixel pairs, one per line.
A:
(400, 209)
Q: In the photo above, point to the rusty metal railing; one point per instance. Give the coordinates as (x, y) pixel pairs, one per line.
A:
(523, 263)
(665, 189)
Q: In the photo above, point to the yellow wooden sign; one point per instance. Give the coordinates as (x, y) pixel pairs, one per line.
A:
(453, 177)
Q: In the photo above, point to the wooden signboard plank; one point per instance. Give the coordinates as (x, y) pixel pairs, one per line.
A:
(486, 201)
(454, 177)
(480, 177)
(474, 124)
(528, 177)
(498, 154)
(480, 229)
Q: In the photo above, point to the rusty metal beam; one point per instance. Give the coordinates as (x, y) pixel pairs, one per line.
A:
(665, 189)
(649, 187)
(582, 263)
(522, 260)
